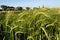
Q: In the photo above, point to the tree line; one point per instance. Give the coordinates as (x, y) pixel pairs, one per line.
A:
(7, 8)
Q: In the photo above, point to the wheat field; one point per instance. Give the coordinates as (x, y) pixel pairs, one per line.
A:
(37, 24)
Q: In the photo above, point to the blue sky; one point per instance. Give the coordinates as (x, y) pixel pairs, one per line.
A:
(31, 3)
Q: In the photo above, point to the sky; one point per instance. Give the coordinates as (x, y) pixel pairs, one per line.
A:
(31, 3)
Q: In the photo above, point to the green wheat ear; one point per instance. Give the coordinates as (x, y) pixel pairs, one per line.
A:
(45, 33)
(30, 37)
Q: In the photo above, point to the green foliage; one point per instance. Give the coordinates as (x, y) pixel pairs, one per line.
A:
(38, 24)
(19, 8)
(27, 8)
(4, 7)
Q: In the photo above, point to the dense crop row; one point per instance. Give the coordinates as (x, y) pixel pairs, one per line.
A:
(37, 24)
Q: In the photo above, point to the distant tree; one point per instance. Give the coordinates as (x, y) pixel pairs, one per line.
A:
(27, 8)
(19, 8)
(35, 8)
(4, 7)
(10, 8)
(43, 6)
(39, 6)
